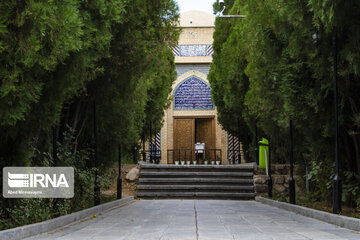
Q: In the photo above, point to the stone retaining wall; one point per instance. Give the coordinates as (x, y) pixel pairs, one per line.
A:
(280, 174)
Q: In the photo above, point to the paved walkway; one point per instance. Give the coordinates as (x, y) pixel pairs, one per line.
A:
(200, 220)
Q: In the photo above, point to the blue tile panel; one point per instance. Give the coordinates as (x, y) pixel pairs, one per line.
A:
(193, 50)
(203, 68)
(193, 94)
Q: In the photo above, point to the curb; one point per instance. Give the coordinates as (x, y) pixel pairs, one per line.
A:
(51, 224)
(342, 221)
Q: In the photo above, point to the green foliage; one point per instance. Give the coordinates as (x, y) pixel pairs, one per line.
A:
(84, 178)
(35, 38)
(137, 79)
(276, 65)
(25, 212)
(50, 50)
(229, 85)
(351, 189)
(58, 58)
(321, 178)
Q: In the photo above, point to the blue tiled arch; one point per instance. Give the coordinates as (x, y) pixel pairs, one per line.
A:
(193, 93)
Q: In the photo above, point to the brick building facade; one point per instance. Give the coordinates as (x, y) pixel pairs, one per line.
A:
(192, 117)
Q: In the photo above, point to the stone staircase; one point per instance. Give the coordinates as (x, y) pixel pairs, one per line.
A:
(196, 181)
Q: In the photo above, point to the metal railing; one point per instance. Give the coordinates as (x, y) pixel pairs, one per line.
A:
(194, 156)
(234, 156)
(152, 156)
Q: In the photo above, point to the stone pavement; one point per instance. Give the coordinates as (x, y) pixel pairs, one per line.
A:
(200, 220)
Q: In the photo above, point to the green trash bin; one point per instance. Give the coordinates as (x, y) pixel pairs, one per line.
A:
(263, 153)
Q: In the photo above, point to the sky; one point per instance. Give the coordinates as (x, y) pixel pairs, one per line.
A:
(202, 5)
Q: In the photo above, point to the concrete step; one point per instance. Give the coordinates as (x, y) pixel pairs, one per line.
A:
(218, 188)
(196, 195)
(194, 170)
(213, 181)
(196, 181)
(197, 174)
(197, 168)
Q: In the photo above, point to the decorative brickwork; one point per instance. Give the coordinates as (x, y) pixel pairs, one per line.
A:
(192, 100)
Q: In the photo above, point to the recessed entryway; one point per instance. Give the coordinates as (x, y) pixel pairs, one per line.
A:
(191, 130)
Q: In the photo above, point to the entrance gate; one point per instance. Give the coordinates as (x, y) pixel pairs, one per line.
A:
(191, 130)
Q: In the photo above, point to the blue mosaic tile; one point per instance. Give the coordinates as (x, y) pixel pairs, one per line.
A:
(193, 94)
(193, 50)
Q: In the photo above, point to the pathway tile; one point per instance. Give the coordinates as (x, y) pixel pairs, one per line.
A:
(200, 220)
